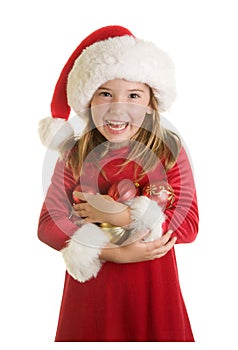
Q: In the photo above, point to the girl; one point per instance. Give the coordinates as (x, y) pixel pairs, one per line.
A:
(126, 290)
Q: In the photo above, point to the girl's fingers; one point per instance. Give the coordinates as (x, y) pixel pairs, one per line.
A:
(103, 203)
(161, 250)
(162, 241)
(164, 249)
(80, 206)
(76, 207)
(79, 195)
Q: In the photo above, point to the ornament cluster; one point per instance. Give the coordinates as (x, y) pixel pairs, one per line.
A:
(125, 190)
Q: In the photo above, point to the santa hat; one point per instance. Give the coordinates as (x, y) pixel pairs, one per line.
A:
(111, 52)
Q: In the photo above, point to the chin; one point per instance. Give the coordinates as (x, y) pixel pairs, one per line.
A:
(118, 140)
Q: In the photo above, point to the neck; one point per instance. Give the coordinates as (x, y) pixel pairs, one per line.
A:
(117, 145)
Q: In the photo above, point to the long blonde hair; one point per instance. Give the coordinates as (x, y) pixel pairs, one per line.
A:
(151, 142)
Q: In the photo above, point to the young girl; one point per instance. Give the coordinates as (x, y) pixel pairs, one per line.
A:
(126, 289)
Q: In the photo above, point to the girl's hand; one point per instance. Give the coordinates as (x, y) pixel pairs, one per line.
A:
(101, 208)
(140, 250)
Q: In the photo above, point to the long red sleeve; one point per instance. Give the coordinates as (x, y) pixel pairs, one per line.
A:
(183, 217)
(54, 227)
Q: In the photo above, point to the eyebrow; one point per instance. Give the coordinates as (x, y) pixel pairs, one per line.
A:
(130, 90)
(136, 90)
(103, 88)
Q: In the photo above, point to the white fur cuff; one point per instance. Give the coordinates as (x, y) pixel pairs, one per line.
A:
(81, 255)
(146, 214)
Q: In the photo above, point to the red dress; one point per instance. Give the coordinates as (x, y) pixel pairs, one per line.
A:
(124, 302)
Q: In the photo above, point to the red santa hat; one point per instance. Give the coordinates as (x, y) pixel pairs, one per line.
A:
(111, 52)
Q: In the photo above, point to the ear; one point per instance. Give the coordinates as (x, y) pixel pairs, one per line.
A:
(149, 110)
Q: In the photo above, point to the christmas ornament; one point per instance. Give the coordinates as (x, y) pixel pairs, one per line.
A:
(161, 192)
(116, 234)
(123, 190)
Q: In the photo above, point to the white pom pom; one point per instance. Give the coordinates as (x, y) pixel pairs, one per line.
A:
(54, 131)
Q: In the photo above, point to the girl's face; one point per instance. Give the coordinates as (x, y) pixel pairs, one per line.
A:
(119, 107)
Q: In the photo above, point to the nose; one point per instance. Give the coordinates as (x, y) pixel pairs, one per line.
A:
(117, 107)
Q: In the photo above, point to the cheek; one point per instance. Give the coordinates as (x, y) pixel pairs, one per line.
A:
(138, 116)
(98, 112)
(96, 119)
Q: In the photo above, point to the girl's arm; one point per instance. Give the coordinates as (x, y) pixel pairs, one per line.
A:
(80, 245)
(102, 208)
(139, 250)
(183, 216)
(119, 214)
(83, 246)
(55, 227)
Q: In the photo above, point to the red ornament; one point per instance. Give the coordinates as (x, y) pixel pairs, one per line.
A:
(85, 189)
(124, 190)
(161, 192)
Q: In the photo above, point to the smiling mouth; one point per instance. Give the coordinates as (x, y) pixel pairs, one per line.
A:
(116, 125)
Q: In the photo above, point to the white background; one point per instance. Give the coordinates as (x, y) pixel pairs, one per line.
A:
(37, 37)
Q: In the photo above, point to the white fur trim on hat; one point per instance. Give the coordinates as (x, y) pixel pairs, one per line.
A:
(146, 214)
(54, 131)
(121, 58)
(81, 255)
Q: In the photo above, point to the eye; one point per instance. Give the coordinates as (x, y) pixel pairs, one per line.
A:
(105, 94)
(134, 95)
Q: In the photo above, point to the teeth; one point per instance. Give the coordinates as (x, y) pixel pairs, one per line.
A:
(116, 125)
